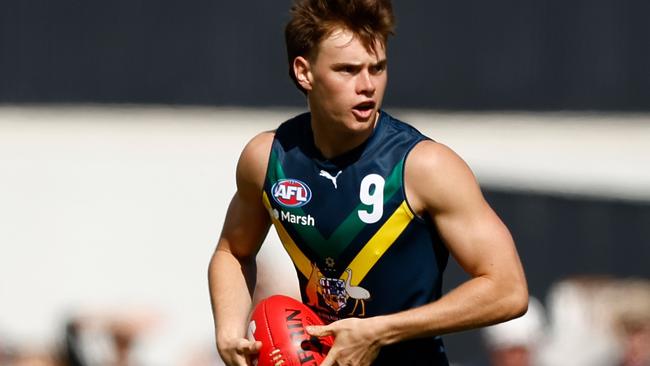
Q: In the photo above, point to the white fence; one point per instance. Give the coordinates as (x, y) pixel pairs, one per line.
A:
(113, 208)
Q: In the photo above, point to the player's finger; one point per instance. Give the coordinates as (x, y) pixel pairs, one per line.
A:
(318, 330)
(255, 347)
(248, 347)
(237, 361)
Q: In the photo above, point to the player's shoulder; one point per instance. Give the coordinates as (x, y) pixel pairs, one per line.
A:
(251, 167)
(434, 156)
(257, 148)
(434, 171)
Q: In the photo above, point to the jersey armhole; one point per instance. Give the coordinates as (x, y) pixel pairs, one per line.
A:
(406, 199)
(269, 164)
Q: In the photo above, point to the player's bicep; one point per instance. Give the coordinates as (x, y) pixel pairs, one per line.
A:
(245, 227)
(451, 196)
(247, 221)
(476, 238)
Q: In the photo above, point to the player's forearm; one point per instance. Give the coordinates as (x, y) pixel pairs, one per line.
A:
(478, 302)
(231, 282)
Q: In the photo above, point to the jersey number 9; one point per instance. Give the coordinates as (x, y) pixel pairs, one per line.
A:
(371, 193)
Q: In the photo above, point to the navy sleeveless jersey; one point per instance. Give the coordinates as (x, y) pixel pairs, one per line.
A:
(357, 246)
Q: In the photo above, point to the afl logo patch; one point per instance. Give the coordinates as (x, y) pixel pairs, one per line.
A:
(291, 193)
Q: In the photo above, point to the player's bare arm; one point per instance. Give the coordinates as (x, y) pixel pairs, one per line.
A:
(231, 272)
(439, 184)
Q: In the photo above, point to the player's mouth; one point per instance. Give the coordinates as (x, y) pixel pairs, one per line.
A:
(364, 110)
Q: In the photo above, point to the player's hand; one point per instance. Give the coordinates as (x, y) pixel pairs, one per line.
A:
(355, 342)
(238, 351)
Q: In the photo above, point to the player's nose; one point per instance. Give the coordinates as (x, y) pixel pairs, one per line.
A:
(365, 83)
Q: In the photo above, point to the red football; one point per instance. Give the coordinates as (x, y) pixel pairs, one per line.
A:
(279, 323)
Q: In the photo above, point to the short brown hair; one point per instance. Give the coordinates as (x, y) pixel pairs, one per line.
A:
(314, 20)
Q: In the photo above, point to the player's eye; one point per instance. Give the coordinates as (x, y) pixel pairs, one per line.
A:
(347, 69)
(376, 69)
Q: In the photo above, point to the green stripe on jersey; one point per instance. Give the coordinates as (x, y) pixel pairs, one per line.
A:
(349, 228)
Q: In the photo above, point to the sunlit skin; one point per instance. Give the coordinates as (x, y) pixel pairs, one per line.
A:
(345, 84)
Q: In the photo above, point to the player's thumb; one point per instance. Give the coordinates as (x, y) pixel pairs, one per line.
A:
(249, 347)
(318, 330)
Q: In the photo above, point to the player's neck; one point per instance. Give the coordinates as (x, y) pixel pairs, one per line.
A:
(332, 139)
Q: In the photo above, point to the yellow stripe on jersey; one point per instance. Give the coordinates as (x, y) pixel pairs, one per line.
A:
(297, 256)
(379, 243)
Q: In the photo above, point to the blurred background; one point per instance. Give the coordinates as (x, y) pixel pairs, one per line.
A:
(121, 123)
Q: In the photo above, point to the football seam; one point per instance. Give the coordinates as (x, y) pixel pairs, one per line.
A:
(268, 327)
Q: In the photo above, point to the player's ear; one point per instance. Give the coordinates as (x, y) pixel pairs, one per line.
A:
(302, 70)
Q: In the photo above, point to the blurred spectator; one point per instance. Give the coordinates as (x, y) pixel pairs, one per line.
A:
(4, 351)
(106, 339)
(516, 342)
(636, 343)
(633, 323)
(36, 358)
(28, 355)
(598, 321)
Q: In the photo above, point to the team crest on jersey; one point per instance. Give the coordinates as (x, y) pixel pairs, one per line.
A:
(291, 193)
(333, 292)
(336, 294)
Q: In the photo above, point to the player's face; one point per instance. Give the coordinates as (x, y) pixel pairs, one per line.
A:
(346, 82)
